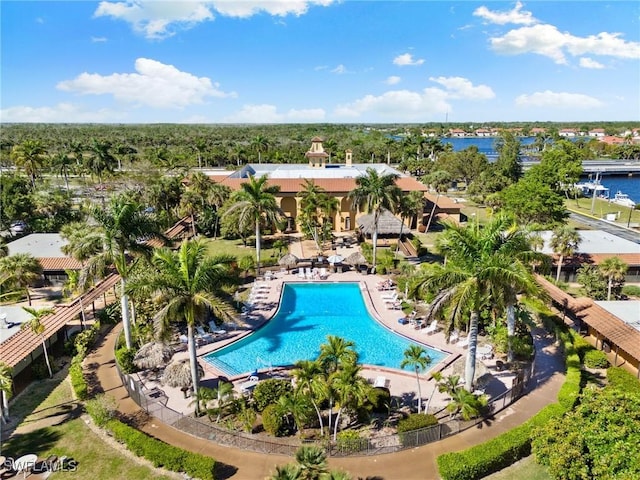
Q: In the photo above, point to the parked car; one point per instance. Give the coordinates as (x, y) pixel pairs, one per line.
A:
(18, 227)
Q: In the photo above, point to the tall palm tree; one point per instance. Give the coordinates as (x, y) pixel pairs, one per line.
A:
(218, 194)
(187, 285)
(614, 269)
(317, 211)
(22, 269)
(101, 159)
(337, 352)
(440, 181)
(256, 201)
(83, 240)
(564, 242)
(125, 230)
(312, 462)
(310, 381)
(35, 325)
(6, 391)
(296, 406)
(408, 207)
(29, 156)
(261, 144)
(189, 203)
(374, 193)
(63, 162)
(474, 275)
(415, 356)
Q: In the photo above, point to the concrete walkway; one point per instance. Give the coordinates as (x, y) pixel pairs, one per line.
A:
(418, 463)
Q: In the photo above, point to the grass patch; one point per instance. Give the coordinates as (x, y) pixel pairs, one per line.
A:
(602, 208)
(70, 436)
(525, 468)
(222, 246)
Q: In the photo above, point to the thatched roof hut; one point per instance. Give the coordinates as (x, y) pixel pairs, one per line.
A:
(388, 224)
(178, 374)
(289, 260)
(356, 258)
(153, 355)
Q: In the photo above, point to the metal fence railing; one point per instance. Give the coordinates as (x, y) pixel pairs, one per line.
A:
(203, 428)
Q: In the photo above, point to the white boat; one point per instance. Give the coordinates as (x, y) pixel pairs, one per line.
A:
(623, 199)
(589, 188)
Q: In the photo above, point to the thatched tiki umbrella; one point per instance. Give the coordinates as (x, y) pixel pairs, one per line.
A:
(153, 355)
(356, 258)
(178, 374)
(289, 260)
(388, 224)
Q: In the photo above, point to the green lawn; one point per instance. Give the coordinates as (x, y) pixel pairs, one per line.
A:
(221, 246)
(525, 469)
(67, 434)
(602, 207)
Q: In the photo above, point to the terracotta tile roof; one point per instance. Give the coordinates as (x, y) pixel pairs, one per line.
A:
(59, 263)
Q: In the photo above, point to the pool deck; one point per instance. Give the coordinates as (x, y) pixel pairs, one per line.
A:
(402, 384)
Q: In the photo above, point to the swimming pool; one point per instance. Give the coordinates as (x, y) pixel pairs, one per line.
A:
(309, 312)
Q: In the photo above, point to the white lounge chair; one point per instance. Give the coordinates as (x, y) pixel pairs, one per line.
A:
(215, 330)
(381, 382)
(390, 295)
(203, 336)
(432, 328)
(301, 272)
(454, 337)
(308, 273)
(323, 273)
(463, 342)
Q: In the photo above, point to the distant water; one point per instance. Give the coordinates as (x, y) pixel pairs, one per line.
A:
(628, 185)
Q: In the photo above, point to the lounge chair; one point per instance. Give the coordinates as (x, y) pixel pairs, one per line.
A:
(390, 295)
(432, 328)
(391, 300)
(215, 329)
(301, 273)
(381, 382)
(308, 273)
(393, 305)
(453, 338)
(463, 342)
(323, 273)
(203, 336)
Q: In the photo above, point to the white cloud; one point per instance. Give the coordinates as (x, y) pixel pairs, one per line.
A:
(392, 80)
(458, 87)
(516, 15)
(280, 8)
(586, 62)
(399, 105)
(269, 114)
(98, 39)
(161, 19)
(406, 59)
(155, 85)
(340, 69)
(547, 40)
(61, 113)
(557, 100)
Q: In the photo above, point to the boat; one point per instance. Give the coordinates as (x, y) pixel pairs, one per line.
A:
(587, 189)
(623, 199)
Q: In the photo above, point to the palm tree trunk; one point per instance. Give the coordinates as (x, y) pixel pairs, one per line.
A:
(46, 356)
(330, 413)
(26, 289)
(193, 225)
(511, 330)
(610, 284)
(433, 392)
(126, 318)
(470, 367)
(559, 267)
(193, 360)
(4, 407)
(400, 236)
(376, 216)
(257, 246)
(315, 405)
(433, 210)
(419, 392)
(335, 427)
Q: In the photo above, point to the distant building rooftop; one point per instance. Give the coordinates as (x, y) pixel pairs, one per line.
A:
(596, 241)
(626, 310)
(39, 245)
(330, 170)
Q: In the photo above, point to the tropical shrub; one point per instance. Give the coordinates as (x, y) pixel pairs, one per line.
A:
(110, 315)
(349, 441)
(102, 408)
(416, 421)
(269, 391)
(124, 357)
(595, 359)
(78, 382)
(620, 379)
(631, 290)
(380, 400)
(273, 421)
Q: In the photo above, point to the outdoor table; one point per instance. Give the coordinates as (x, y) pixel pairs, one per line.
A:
(25, 463)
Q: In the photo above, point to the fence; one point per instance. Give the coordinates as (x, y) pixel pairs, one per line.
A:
(152, 403)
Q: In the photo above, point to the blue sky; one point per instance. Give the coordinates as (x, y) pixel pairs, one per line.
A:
(301, 61)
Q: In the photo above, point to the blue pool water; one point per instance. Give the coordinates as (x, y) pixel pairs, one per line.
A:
(307, 314)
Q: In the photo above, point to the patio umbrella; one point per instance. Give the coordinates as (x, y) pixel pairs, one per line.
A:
(288, 260)
(335, 259)
(153, 355)
(178, 374)
(356, 258)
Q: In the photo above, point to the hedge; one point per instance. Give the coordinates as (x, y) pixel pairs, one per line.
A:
(504, 450)
(82, 342)
(622, 380)
(162, 454)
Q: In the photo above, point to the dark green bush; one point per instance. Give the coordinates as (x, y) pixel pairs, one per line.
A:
(269, 391)
(380, 399)
(595, 359)
(620, 379)
(162, 454)
(416, 421)
(78, 383)
(110, 315)
(273, 421)
(101, 409)
(124, 357)
(631, 290)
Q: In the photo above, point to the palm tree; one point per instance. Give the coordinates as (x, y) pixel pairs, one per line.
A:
(351, 390)
(564, 242)
(29, 155)
(296, 406)
(310, 381)
(125, 229)
(223, 394)
(218, 194)
(312, 462)
(6, 391)
(337, 352)
(408, 207)
(261, 144)
(288, 471)
(83, 241)
(256, 201)
(474, 275)
(375, 192)
(186, 284)
(62, 161)
(36, 326)
(22, 269)
(101, 159)
(189, 203)
(317, 211)
(614, 269)
(416, 357)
